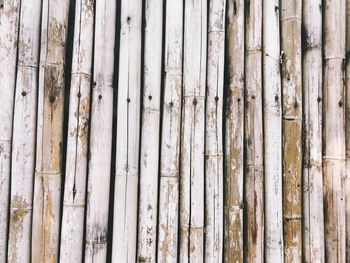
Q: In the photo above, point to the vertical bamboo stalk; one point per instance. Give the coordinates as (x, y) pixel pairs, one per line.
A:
(128, 133)
(214, 133)
(9, 17)
(292, 126)
(347, 131)
(99, 169)
(273, 131)
(334, 130)
(78, 125)
(192, 134)
(149, 164)
(47, 185)
(313, 236)
(170, 140)
(24, 131)
(234, 141)
(254, 175)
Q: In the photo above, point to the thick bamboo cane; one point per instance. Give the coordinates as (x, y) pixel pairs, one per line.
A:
(214, 133)
(47, 185)
(292, 128)
(254, 174)
(24, 131)
(273, 131)
(234, 130)
(79, 109)
(99, 169)
(334, 130)
(347, 131)
(149, 164)
(192, 134)
(128, 133)
(171, 128)
(9, 17)
(313, 227)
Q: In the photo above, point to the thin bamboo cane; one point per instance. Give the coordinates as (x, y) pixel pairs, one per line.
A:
(273, 130)
(24, 131)
(79, 109)
(128, 133)
(292, 126)
(214, 133)
(234, 141)
(192, 134)
(149, 164)
(334, 131)
(99, 169)
(47, 185)
(9, 17)
(254, 175)
(347, 131)
(313, 236)
(170, 140)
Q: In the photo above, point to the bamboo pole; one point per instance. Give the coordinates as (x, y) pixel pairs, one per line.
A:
(292, 128)
(9, 17)
(273, 130)
(24, 131)
(313, 229)
(47, 185)
(150, 123)
(128, 133)
(99, 169)
(334, 130)
(72, 233)
(347, 131)
(170, 137)
(214, 134)
(192, 134)
(234, 139)
(254, 163)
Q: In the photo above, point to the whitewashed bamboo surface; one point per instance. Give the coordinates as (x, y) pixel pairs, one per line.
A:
(174, 131)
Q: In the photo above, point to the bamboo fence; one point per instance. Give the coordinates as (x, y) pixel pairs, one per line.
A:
(174, 131)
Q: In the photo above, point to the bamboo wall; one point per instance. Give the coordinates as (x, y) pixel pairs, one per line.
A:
(174, 131)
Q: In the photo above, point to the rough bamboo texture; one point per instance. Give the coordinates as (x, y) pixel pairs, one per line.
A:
(24, 132)
(292, 125)
(313, 222)
(334, 131)
(347, 130)
(48, 169)
(72, 234)
(234, 132)
(149, 163)
(128, 134)
(170, 137)
(9, 19)
(272, 103)
(99, 168)
(254, 162)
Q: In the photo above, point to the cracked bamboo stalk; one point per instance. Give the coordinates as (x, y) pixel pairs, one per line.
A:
(334, 130)
(9, 17)
(47, 185)
(292, 128)
(192, 134)
(149, 153)
(254, 175)
(273, 130)
(313, 227)
(234, 140)
(170, 140)
(347, 131)
(24, 132)
(78, 125)
(128, 133)
(214, 133)
(99, 168)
